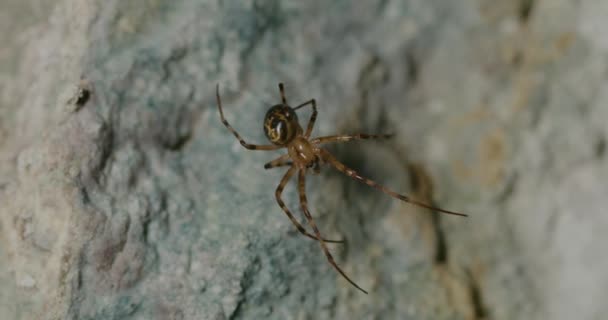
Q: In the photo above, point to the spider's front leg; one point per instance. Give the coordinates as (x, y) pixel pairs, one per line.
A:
(313, 225)
(236, 134)
(313, 116)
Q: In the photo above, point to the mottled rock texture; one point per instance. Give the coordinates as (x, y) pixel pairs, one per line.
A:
(139, 204)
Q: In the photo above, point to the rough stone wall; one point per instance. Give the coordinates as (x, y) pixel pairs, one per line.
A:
(138, 204)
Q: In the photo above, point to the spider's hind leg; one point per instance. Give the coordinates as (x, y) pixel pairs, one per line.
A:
(328, 158)
(349, 137)
(311, 221)
(291, 217)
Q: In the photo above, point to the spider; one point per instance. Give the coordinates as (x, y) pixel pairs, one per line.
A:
(283, 130)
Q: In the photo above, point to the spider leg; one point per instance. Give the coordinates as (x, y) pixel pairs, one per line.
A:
(327, 157)
(349, 137)
(279, 162)
(299, 226)
(243, 143)
(282, 89)
(313, 116)
(304, 204)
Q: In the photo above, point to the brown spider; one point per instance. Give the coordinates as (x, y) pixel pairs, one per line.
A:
(282, 128)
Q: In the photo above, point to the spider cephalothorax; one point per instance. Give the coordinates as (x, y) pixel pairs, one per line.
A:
(303, 153)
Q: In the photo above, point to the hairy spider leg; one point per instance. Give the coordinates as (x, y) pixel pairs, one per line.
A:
(236, 134)
(329, 158)
(300, 228)
(304, 205)
(313, 116)
(349, 137)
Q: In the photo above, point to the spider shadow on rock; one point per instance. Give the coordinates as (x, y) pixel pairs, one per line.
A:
(359, 211)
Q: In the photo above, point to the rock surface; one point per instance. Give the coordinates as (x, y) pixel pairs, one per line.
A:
(137, 203)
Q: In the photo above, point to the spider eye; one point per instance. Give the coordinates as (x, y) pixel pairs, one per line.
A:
(280, 124)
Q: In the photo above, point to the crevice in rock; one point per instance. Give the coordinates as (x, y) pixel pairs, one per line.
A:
(600, 148)
(105, 140)
(266, 19)
(422, 183)
(107, 143)
(238, 309)
(178, 143)
(373, 76)
(526, 7)
(184, 124)
(82, 96)
(111, 245)
(412, 67)
(441, 247)
(174, 58)
(509, 188)
(247, 282)
(479, 309)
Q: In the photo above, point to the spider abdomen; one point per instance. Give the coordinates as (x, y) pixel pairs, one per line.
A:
(281, 124)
